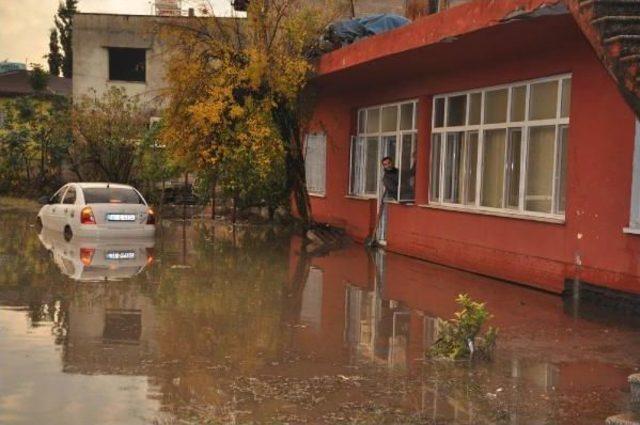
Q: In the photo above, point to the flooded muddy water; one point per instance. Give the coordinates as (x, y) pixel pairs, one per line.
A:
(206, 325)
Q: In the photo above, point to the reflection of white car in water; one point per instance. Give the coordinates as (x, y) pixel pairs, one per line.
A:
(98, 260)
(97, 210)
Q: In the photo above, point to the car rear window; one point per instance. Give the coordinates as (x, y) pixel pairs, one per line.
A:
(111, 195)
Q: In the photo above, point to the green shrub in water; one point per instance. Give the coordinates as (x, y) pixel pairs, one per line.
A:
(460, 338)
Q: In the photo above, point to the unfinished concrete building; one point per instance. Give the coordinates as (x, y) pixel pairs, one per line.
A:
(117, 51)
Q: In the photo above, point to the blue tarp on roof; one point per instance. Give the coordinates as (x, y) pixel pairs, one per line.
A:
(341, 33)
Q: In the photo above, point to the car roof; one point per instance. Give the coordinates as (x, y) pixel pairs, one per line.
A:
(101, 185)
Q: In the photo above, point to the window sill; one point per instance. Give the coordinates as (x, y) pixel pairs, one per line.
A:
(631, 231)
(404, 203)
(361, 198)
(318, 195)
(505, 214)
(127, 81)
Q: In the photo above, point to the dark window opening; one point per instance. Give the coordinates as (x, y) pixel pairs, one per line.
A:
(127, 64)
(240, 5)
(434, 6)
(122, 325)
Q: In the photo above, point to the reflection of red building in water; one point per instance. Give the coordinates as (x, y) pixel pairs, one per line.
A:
(383, 309)
(515, 146)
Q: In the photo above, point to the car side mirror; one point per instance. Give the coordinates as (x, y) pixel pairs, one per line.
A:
(44, 200)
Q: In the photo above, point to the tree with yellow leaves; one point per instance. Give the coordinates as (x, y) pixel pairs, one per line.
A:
(239, 93)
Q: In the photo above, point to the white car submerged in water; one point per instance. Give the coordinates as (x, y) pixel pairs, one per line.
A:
(97, 210)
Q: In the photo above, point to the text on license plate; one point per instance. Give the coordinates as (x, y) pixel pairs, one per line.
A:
(121, 217)
(121, 255)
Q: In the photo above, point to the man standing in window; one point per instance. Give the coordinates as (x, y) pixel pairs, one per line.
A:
(390, 178)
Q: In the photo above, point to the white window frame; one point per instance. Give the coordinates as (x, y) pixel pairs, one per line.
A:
(321, 180)
(558, 122)
(357, 188)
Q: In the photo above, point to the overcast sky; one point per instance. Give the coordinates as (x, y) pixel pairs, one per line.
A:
(25, 24)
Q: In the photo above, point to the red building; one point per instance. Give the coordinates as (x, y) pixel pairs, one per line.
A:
(513, 125)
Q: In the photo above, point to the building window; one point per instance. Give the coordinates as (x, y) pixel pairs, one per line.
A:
(311, 306)
(127, 64)
(386, 130)
(435, 6)
(315, 159)
(634, 221)
(502, 148)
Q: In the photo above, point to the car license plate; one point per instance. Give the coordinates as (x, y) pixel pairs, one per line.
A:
(121, 217)
(121, 255)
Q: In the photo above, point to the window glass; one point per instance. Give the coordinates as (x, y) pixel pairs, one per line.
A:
(361, 121)
(471, 164)
(519, 167)
(561, 174)
(389, 118)
(389, 148)
(475, 105)
(112, 195)
(127, 64)
(70, 196)
(436, 150)
(540, 169)
(457, 111)
(493, 168)
(495, 106)
(439, 113)
(512, 189)
(453, 167)
(357, 148)
(315, 163)
(406, 116)
(544, 100)
(518, 103)
(408, 168)
(373, 120)
(371, 166)
(382, 131)
(566, 98)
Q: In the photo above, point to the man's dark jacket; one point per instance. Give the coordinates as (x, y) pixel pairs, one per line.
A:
(390, 182)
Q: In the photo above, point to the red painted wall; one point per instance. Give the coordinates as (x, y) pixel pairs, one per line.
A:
(589, 245)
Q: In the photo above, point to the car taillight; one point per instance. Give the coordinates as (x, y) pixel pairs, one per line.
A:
(151, 216)
(86, 255)
(150, 255)
(86, 216)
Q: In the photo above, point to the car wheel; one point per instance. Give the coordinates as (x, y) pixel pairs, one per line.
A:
(68, 234)
(39, 225)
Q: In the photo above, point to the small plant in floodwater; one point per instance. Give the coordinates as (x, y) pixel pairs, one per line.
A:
(460, 338)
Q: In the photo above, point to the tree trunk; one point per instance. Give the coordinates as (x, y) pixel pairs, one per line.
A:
(297, 182)
(214, 185)
(234, 210)
(161, 207)
(184, 200)
(291, 132)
